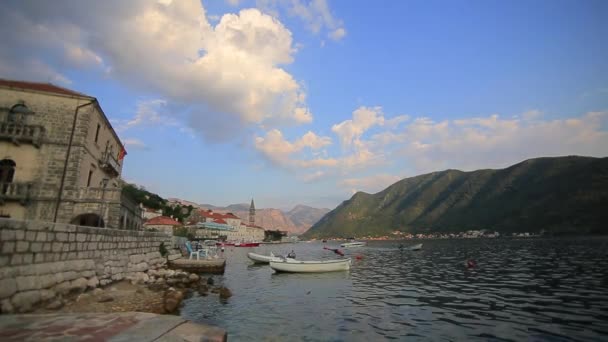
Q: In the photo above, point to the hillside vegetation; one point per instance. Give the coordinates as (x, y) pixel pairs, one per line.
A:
(562, 195)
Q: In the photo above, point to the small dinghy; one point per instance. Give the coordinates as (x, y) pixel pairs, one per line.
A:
(353, 244)
(298, 266)
(411, 248)
(262, 259)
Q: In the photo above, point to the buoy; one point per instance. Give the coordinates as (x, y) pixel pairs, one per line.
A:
(359, 257)
(471, 263)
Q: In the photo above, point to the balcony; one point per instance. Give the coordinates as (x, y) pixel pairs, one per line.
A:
(21, 133)
(16, 191)
(109, 163)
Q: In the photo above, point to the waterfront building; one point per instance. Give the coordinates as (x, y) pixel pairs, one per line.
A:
(151, 213)
(227, 226)
(162, 224)
(60, 159)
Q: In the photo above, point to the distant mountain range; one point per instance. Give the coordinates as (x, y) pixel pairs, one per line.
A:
(296, 221)
(561, 195)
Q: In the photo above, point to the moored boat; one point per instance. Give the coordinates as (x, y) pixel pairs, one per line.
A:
(416, 247)
(247, 244)
(299, 266)
(262, 259)
(353, 244)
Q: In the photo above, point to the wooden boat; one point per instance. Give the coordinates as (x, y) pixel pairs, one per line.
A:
(353, 244)
(262, 259)
(224, 244)
(247, 244)
(298, 266)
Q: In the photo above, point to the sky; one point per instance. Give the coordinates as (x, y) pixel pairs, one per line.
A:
(306, 102)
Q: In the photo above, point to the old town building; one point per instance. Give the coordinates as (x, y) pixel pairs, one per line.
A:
(60, 159)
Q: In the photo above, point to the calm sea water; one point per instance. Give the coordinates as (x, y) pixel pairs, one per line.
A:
(521, 289)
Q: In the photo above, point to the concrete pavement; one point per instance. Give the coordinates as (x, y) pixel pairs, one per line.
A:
(117, 327)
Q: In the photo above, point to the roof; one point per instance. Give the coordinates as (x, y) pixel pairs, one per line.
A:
(162, 221)
(216, 216)
(44, 87)
(219, 221)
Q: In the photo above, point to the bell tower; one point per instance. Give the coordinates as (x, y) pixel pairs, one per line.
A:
(252, 214)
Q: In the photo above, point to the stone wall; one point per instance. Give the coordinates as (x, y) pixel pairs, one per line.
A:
(40, 261)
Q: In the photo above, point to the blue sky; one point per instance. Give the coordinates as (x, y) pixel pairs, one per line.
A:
(306, 102)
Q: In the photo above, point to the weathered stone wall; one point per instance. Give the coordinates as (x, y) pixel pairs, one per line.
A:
(40, 261)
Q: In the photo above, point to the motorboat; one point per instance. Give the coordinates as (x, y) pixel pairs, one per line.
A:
(299, 266)
(353, 244)
(416, 247)
(262, 259)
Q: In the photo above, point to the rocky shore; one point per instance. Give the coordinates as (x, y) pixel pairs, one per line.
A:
(156, 291)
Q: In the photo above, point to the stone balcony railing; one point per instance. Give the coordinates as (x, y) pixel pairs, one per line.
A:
(18, 133)
(16, 191)
(93, 194)
(109, 163)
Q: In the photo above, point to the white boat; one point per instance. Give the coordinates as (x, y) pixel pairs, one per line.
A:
(416, 247)
(298, 266)
(353, 244)
(262, 259)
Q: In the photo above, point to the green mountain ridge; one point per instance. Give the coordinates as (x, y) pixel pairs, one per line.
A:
(560, 194)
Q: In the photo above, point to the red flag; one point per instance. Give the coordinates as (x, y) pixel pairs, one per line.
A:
(122, 154)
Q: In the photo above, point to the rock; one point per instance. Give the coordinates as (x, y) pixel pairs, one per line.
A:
(46, 295)
(97, 292)
(54, 305)
(172, 281)
(210, 281)
(105, 282)
(172, 300)
(104, 298)
(225, 293)
(194, 277)
(169, 273)
(6, 306)
(62, 288)
(78, 285)
(92, 282)
(82, 297)
(24, 301)
(8, 287)
(203, 289)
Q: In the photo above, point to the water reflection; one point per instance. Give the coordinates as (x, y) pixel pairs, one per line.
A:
(520, 290)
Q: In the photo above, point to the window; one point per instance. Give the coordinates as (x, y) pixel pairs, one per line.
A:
(18, 112)
(89, 179)
(7, 172)
(97, 132)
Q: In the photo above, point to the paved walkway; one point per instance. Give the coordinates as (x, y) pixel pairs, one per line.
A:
(118, 327)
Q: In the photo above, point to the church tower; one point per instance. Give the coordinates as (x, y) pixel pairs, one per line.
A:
(252, 214)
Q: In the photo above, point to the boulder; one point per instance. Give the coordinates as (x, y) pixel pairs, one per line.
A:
(172, 300)
(225, 293)
(210, 281)
(55, 305)
(194, 277)
(103, 298)
(24, 301)
(78, 285)
(6, 306)
(97, 292)
(93, 282)
(203, 289)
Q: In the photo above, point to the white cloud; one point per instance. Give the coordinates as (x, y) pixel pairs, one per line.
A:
(134, 143)
(279, 151)
(350, 131)
(230, 74)
(233, 2)
(152, 112)
(337, 34)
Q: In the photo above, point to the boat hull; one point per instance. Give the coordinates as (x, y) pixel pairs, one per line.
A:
(297, 266)
(352, 244)
(247, 244)
(262, 259)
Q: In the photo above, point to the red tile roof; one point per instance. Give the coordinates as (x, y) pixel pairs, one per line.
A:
(219, 221)
(162, 221)
(44, 87)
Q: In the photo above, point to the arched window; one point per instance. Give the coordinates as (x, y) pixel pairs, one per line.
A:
(7, 172)
(18, 112)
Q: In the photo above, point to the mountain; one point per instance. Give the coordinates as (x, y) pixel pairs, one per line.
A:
(303, 216)
(561, 195)
(296, 221)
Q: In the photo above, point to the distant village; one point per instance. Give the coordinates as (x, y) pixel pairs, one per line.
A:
(469, 234)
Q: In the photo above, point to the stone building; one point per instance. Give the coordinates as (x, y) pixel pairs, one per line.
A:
(60, 159)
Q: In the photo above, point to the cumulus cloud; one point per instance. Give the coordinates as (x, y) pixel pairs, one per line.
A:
(337, 34)
(231, 72)
(350, 131)
(492, 141)
(149, 112)
(281, 152)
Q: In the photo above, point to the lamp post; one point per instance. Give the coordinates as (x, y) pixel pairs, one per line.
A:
(104, 184)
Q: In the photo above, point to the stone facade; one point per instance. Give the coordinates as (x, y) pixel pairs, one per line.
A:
(40, 261)
(42, 126)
